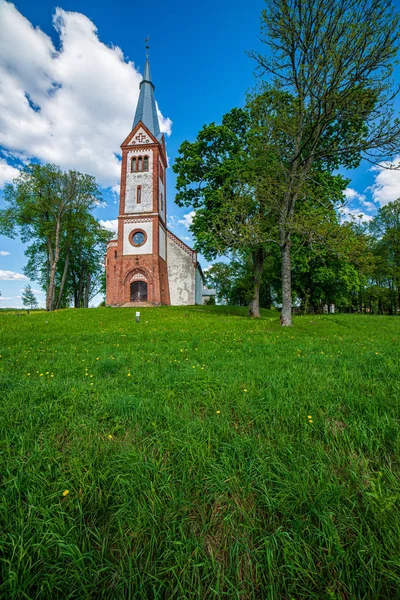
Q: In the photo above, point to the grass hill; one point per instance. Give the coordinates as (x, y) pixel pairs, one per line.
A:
(199, 454)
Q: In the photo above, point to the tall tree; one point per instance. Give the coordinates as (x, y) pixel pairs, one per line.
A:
(218, 176)
(29, 298)
(44, 205)
(334, 60)
(386, 229)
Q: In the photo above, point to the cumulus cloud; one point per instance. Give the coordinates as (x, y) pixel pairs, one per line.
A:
(387, 182)
(72, 106)
(4, 298)
(172, 221)
(353, 196)
(4, 253)
(10, 276)
(354, 214)
(187, 219)
(7, 172)
(111, 225)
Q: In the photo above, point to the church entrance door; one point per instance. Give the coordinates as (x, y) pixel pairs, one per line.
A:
(139, 291)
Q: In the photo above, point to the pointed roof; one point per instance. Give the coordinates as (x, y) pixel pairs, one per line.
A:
(146, 111)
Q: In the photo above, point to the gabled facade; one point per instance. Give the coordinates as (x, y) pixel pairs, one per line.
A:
(147, 264)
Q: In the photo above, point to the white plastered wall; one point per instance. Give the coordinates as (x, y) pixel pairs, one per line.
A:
(147, 247)
(162, 243)
(181, 275)
(144, 179)
(162, 190)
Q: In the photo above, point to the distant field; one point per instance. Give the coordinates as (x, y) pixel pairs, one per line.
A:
(205, 456)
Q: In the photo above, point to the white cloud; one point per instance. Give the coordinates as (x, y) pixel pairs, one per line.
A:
(4, 253)
(352, 194)
(73, 106)
(111, 225)
(187, 219)
(387, 182)
(7, 172)
(354, 214)
(10, 276)
(186, 238)
(172, 221)
(3, 298)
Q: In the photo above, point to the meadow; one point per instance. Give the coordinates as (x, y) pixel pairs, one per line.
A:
(199, 454)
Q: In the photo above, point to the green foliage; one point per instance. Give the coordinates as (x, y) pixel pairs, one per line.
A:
(192, 467)
(233, 280)
(51, 210)
(29, 298)
(331, 62)
(385, 228)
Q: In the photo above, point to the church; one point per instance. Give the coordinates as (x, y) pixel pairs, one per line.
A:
(147, 265)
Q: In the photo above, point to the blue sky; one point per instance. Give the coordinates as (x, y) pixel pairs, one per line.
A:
(89, 53)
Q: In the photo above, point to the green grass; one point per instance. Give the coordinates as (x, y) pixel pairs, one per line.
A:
(192, 468)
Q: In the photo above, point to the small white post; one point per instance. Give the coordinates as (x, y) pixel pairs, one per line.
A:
(137, 317)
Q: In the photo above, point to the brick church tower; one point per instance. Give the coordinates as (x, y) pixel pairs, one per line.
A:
(147, 263)
(136, 263)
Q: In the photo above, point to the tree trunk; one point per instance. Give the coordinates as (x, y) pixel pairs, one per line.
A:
(258, 263)
(87, 286)
(286, 312)
(80, 304)
(53, 267)
(63, 279)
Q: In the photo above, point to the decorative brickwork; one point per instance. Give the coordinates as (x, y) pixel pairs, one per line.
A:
(124, 261)
(159, 259)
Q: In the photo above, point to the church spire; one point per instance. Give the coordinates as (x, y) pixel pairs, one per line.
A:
(146, 111)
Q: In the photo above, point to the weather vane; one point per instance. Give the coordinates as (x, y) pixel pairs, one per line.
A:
(147, 46)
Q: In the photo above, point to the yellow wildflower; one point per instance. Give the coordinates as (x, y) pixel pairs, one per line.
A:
(65, 493)
(218, 412)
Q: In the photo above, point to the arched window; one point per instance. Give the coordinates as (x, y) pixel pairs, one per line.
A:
(139, 194)
(133, 165)
(115, 254)
(140, 161)
(146, 163)
(161, 202)
(161, 172)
